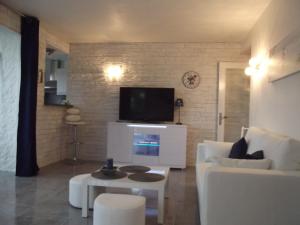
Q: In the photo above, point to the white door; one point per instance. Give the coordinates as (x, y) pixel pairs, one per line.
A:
(233, 101)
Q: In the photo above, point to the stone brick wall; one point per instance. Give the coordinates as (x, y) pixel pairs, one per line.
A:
(151, 65)
(52, 134)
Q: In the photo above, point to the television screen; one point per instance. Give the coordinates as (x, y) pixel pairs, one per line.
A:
(146, 104)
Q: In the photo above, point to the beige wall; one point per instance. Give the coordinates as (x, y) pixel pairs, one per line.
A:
(51, 132)
(147, 64)
(276, 106)
(9, 19)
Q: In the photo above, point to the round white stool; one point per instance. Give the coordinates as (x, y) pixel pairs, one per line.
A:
(119, 209)
(75, 191)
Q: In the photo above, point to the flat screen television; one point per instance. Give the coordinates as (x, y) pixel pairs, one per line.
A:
(146, 104)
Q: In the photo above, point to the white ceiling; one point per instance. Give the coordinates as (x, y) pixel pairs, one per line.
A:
(145, 20)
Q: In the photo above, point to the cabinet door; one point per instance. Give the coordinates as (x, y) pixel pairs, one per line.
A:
(146, 146)
(119, 139)
(173, 147)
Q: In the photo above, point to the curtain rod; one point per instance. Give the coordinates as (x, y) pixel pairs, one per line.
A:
(12, 9)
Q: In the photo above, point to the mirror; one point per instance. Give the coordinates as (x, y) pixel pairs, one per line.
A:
(56, 76)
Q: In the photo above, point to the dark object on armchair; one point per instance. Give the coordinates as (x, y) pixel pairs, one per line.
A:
(239, 149)
(255, 155)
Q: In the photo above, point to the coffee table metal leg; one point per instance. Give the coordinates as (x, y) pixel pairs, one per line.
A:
(85, 199)
(161, 199)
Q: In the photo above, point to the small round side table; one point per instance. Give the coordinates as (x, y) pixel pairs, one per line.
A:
(75, 140)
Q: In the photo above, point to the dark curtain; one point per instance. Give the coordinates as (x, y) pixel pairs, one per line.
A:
(26, 147)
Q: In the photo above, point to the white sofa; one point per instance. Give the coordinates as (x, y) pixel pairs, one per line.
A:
(243, 196)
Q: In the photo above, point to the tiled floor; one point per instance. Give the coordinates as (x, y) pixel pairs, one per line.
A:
(43, 200)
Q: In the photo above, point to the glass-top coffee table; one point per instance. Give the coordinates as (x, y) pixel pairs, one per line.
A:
(159, 186)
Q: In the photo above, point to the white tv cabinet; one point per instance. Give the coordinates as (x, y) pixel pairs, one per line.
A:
(147, 144)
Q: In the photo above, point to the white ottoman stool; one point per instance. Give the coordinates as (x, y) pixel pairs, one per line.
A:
(119, 209)
(75, 191)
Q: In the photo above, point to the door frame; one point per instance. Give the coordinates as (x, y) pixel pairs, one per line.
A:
(222, 67)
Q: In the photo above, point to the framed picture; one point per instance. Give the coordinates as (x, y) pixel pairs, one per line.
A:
(285, 58)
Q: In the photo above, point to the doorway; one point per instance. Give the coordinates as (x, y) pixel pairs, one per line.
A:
(234, 101)
(56, 76)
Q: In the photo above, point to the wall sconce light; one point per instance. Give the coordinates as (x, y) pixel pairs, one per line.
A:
(257, 66)
(114, 72)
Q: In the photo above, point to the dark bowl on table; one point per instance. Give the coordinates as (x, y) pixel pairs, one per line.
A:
(109, 172)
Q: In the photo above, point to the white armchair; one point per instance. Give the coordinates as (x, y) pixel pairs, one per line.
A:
(239, 196)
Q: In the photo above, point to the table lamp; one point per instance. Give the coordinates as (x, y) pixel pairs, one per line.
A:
(179, 104)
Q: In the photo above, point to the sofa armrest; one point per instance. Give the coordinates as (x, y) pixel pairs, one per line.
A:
(235, 196)
(201, 147)
(212, 149)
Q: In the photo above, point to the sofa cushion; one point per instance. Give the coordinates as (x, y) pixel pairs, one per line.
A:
(246, 163)
(282, 150)
(215, 150)
(255, 155)
(239, 149)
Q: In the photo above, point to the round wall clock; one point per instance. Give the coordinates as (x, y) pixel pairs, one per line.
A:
(191, 79)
